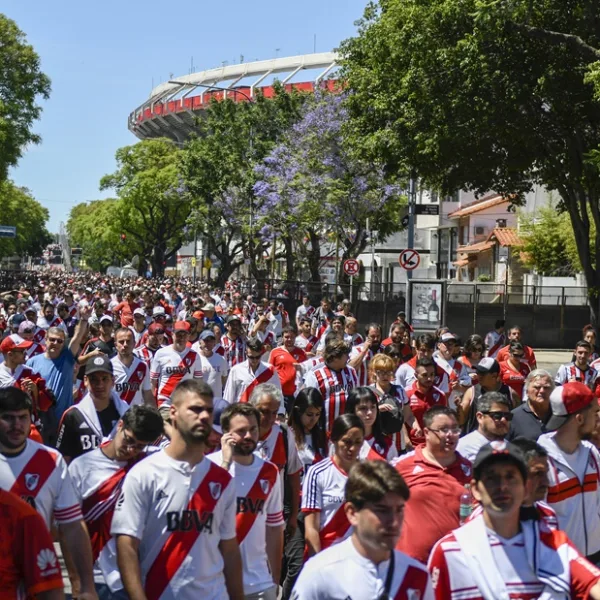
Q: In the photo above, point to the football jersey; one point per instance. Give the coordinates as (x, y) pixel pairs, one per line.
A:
(373, 450)
(306, 343)
(572, 372)
(514, 379)
(341, 572)
(494, 341)
(283, 361)
(323, 491)
(235, 350)
(363, 371)
(131, 381)
(39, 476)
(272, 447)
(259, 505)
(145, 353)
(214, 368)
(420, 403)
(170, 367)
(34, 350)
(180, 514)
(242, 380)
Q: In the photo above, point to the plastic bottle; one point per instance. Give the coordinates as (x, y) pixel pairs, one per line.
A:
(466, 504)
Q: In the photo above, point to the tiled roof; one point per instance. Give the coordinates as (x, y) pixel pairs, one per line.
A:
(477, 206)
(475, 248)
(505, 236)
(461, 263)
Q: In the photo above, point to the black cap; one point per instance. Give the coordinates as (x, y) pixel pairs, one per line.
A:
(487, 365)
(232, 318)
(100, 363)
(499, 450)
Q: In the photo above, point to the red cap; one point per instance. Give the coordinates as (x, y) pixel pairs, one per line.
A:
(565, 401)
(198, 315)
(182, 326)
(14, 342)
(156, 328)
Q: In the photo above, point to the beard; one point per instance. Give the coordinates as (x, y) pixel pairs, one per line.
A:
(195, 436)
(246, 450)
(10, 444)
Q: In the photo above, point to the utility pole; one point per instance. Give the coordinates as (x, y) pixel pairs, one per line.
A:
(412, 199)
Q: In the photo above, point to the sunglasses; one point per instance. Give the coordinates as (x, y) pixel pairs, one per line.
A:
(56, 340)
(498, 415)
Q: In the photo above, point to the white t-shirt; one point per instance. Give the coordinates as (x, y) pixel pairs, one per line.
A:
(341, 572)
(470, 444)
(214, 368)
(259, 505)
(180, 514)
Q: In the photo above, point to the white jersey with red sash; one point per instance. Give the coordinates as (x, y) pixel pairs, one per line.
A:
(405, 375)
(378, 450)
(169, 367)
(35, 349)
(97, 480)
(572, 372)
(306, 343)
(39, 335)
(334, 387)
(72, 311)
(242, 381)
(39, 476)
(272, 447)
(323, 491)
(259, 505)
(493, 342)
(455, 372)
(235, 350)
(146, 353)
(341, 572)
(131, 381)
(180, 515)
(44, 324)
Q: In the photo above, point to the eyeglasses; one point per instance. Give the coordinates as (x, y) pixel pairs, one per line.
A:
(498, 415)
(517, 355)
(446, 431)
(56, 340)
(132, 443)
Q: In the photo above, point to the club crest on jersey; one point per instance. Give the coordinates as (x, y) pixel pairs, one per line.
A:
(412, 594)
(466, 469)
(140, 374)
(31, 481)
(215, 489)
(264, 486)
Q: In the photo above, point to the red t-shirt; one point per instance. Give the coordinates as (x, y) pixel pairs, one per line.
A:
(432, 510)
(125, 311)
(26, 550)
(514, 379)
(283, 361)
(528, 356)
(407, 353)
(420, 403)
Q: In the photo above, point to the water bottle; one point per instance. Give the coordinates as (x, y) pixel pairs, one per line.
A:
(466, 504)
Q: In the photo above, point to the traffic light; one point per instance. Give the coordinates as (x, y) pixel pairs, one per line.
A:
(123, 237)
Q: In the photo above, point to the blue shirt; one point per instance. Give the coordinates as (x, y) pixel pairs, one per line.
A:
(58, 374)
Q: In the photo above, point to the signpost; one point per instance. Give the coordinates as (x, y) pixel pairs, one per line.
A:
(8, 231)
(427, 209)
(409, 259)
(351, 268)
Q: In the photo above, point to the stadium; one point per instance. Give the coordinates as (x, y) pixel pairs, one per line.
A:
(173, 106)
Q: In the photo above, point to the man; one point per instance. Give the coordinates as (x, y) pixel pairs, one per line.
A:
(173, 364)
(233, 342)
(156, 337)
(277, 319)
(457, 374)
(211, 318)
(55, 366)
(529, 418)
(515, 335)
(259, 521)
(24, 539)
(139, 325)
(361, 356)
(495, 339)
(105, 342)
(493, 418)
(214, 367)
(425, 347)
(27, 331)
(365, 566)
(285, 360)
(304, 311)
(436, 475)
(336, 325)
(322, 317)
(351, 335)
(498, 555)
(92, 421)
(38, 474)
(580, 369)
(573, 490)
(174, 522)
(100, 310)
(397, 332)
(334, 379)
(305, 340)
(423, 395)
(243, 378)
(49, 319)
(66, 317)
(124, 310)
(98, 477)
(132, 374)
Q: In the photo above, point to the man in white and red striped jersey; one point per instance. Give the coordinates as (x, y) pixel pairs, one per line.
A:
(304, 311)
(156, 338)
(39, 475)
(305, 340)
(233, 342)
(259, 520)
(495, 339)
(360, 356)
(243, 378)
(132, 374)
(98, 478)
(579, 370)
(174, 522)
(49, 319)
(174, 364)
(334, 380)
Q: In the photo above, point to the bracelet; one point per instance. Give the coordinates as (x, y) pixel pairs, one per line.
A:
(225, 465)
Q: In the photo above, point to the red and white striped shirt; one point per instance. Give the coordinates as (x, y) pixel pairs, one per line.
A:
(235, 350)
(362, 371)
(132, 381)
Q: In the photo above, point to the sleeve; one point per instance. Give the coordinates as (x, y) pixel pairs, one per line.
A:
(392, 453)
(68, 442)
(156, 368)
(312, 500)
(38, 556)
(227, 528)
(310, 380)
(229, 393)
(76, 478)
(561, 375)
(224, 367)
(310, 584)
(67, 508)
(294, 464)
(438, 570)
(197, 367)
(274, 506)
(131, 512)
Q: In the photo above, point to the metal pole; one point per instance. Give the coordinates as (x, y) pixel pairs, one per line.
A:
(195, 252)
(412, 197)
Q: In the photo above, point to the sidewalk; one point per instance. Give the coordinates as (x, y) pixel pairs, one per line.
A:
(550, 360)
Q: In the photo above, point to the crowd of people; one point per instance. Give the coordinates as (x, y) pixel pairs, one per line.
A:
(173, 440)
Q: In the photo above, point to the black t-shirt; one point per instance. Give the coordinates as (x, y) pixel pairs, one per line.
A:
(525, 424)
(107, 348)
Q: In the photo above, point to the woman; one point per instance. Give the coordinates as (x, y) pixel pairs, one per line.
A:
(513, 371)
(383, 369)
(473, 353)
(324, 485)
(362, 402)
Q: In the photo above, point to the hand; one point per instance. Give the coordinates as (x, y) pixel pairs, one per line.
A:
(416, 430)
(27, 385)
(85, 312)
(227, 445)
(385, 407)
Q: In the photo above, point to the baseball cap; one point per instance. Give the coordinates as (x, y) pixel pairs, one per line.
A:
(17, 320)
(158, 310)
(198, 315)
(100, 363)
(448, 337)
(105, 319)
(232, 318)
(207, 333)
(499, 450)
(565, 401)
(209, 306)
(27, 327)
(14, 342)
(487, 365)
(30, 309)
(156, 328)
(182, 326)
(139, 311)
(219, 407)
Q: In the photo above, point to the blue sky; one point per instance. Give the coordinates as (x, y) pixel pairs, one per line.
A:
(104, 57)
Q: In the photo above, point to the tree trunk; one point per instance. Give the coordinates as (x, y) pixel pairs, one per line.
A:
(314, 256)
(290, 258)
(157, 261)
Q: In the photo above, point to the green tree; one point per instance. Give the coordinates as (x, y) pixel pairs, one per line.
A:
(19, 209)
(21, 83)
(485, 95)
(153, 203)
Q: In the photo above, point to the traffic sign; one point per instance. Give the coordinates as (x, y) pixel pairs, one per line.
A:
(427, 209)
(351, 267)
(8, 231)
(193, 261)
(409, 259)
